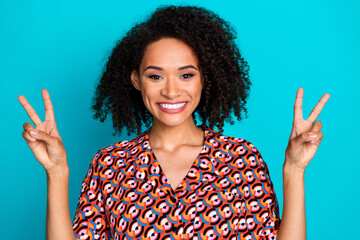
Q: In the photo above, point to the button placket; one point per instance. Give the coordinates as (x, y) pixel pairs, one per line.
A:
(175, 228)
(173, 199)
(179, 223)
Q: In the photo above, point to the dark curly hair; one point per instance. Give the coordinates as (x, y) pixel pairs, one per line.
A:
(225, 72)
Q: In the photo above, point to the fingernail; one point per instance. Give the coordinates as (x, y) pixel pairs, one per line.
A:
(312, 136)
(32, 139)
(33, 132)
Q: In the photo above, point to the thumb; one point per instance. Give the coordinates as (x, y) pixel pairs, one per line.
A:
(303, 138)
(43, 136)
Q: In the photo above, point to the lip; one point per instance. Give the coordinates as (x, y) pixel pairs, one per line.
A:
(171, 110)
(172, 102)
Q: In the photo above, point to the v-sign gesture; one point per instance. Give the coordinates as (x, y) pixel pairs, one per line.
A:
(305, 136)
(44, 139)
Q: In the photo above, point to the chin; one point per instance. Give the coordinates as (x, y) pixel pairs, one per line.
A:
(173, 122)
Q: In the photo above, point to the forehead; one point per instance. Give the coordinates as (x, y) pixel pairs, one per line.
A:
(169, 52)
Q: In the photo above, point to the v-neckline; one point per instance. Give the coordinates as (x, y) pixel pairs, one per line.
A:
(156, 162)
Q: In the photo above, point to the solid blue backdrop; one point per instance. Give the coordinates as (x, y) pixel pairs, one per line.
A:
(63, 46)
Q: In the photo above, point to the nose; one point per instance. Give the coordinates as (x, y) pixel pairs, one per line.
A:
(171, 89)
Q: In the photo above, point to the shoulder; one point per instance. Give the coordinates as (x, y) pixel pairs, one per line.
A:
(240, 153)
(230, 144)
(239, 161)
(121, 153)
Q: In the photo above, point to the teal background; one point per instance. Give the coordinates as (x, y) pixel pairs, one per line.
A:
(63, 45)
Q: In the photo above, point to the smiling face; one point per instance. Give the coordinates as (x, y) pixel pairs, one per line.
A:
(170, 82)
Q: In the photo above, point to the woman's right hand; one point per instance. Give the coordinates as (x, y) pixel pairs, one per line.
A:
(44, 139)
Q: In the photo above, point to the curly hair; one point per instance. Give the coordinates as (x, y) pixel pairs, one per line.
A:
(224, 70)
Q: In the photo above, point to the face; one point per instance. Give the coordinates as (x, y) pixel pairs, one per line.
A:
(170, 81)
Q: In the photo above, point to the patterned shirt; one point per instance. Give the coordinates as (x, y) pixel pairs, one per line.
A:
(226, 194)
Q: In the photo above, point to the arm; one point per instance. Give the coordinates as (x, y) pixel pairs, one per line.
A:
(46, 144)
(58, 221)
(304, 141)
(293, 224)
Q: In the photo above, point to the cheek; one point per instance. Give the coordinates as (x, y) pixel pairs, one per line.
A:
(197, 90)
(147, 97)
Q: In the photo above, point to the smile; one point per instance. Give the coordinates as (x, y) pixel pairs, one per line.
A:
(172, 106)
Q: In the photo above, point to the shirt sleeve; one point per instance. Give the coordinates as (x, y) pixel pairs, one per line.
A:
(261, 208)
(90, 220)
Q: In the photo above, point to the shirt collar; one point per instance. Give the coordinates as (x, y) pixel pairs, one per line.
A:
(144, 137)
(205, 155)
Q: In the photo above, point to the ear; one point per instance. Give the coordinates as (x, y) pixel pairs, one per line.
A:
(135, 80)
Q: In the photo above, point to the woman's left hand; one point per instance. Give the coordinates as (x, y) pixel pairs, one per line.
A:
(305, 136)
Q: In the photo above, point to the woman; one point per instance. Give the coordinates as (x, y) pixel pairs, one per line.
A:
(179, 62)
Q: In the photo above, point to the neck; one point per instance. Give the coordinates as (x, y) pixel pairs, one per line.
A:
(171, 137)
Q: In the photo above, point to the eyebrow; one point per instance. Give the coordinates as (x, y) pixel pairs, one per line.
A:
(161, 69)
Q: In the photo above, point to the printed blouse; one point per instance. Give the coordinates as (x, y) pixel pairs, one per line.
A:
(226, 194)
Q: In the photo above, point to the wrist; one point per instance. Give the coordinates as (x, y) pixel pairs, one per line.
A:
(293, 176)
(58, 172)
(292, 169)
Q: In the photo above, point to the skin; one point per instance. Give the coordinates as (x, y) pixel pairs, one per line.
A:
(172, 134)
(46, 144)
(304, 141)
(169, 72)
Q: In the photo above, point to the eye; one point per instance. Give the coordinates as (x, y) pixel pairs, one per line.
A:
(155, 77)
(187, 75)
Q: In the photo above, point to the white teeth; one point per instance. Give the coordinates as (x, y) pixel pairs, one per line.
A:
(172, 106)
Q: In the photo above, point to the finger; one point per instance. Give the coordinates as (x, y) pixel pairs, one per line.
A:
(27, 126)
(319, 137)
(298, 104)
(43, 136)
(49, 109)
(302, 138)
(29, 110)
(316, 127)
(27, 137)
(317, 143)
(319, 106)
(308, 137)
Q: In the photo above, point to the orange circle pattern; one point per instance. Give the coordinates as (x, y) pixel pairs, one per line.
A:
(226, 194)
